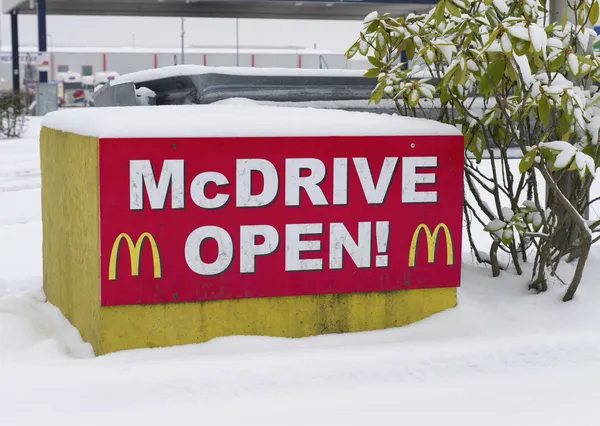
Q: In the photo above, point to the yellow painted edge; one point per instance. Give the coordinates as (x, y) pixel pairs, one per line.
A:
(70, 221)
(148, 326)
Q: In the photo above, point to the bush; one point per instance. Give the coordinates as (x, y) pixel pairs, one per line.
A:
(13, 110)
(506, 76)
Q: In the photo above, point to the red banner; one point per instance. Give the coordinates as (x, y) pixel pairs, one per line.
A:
(184, 220)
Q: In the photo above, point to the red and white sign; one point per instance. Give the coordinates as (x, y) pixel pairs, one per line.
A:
(185, 220)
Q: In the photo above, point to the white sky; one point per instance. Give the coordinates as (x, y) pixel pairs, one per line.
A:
(165, 32)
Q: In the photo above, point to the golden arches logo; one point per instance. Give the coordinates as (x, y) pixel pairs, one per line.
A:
(135, 254)
(431, 244)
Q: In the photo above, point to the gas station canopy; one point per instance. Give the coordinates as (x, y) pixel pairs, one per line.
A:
(276, 9)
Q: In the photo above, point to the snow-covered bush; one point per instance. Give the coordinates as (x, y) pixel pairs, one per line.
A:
(507, 77)
(13, 114)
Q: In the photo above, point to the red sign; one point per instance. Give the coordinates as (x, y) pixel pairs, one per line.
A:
(184, 220)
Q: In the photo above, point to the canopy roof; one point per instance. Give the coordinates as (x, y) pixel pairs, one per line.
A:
(279, 9)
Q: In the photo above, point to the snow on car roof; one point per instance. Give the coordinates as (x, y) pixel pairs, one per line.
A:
(184, 70)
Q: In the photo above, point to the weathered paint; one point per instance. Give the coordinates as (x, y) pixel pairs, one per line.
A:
(70, 214)
(70, 218)
(139, 326)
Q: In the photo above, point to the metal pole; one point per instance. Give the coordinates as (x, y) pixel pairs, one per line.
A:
(14, 28)
(42, 35)
(237, 42)
(182, 42)
(557, 9)
(50, 49)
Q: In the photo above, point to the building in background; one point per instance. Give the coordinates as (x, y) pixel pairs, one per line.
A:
(90, 60)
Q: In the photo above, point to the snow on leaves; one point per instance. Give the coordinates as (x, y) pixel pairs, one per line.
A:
(568, 155)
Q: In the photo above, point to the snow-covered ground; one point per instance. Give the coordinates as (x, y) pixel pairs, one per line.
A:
(502, 357)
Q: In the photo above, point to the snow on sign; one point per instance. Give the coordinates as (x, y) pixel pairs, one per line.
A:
(186, 220)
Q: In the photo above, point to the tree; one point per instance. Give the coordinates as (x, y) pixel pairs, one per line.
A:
(506, 77)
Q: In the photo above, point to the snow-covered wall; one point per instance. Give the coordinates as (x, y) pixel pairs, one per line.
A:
(77, 226)
(235, 119)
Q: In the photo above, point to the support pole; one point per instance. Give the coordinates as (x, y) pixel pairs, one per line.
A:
(182, 41)
(557, 8)
(404, 59)
(237, 42)
(14, 29)
(42, 35)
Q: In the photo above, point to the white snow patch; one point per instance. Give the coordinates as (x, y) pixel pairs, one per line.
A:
(489, 361)
(495, 225)
(507, 213)
(566, 152)
(370, 18)
(446, 48)
(250, 121)
(573, 63)
(523, 63)
(501, 6)
(519, 31)
(538, 37)
(594, 127)
(537, 219)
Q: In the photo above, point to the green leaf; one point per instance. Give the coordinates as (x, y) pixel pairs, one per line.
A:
(544, 110)
(507, 236)
(492, 38)
(377, 96)
(581, 17)
(375, 62)
(410, 50)
(522, 47)
(547, 155)
(594, 13)
(564, 99)
(453, 9)
(439, 12)
(538, 62)
(594, 102)
(586, 60)
(468, 140)
(425, 55)
(468, 40)
(500, 134)
(564, 124)
(458, 76)
(573, 166)
(352, 51)
(564, 21)
(527, 161)
(445, 95)
(557, 63)
(496, 71)
(590, 150)
(373, 26)
(413, 98)
(485, 86)
(372, 73)
(511, 72)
